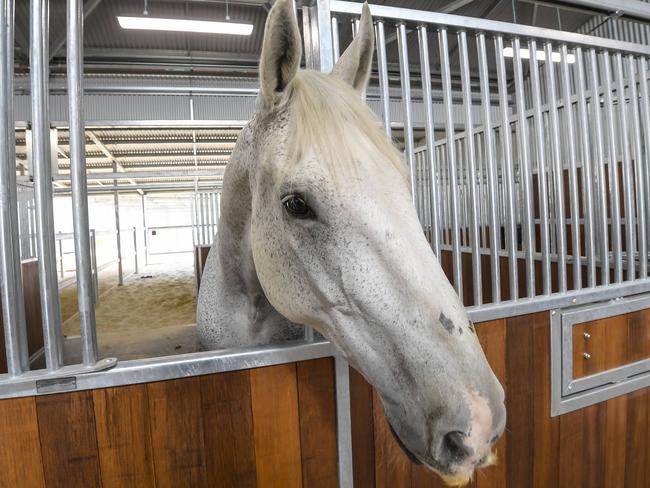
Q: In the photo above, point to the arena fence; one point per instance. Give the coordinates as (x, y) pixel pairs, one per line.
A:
(558, 180)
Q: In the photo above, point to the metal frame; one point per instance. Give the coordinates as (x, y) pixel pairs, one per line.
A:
(567, 393)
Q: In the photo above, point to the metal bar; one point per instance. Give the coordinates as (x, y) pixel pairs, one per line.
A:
(144, 229)
(474, 236)
(558, 175)
(405, 79)
(118, 237)
(645, 114)
(524, 171)
(486, 26)
(11, 291)
(542, 183)
(508, 171)
(49, 291)
(638, 169)
(61, 273)
(430, 138)
(382, 67)
(78, 176)
(451, 160)
(321, 36)
(336, 50)
(93, 244)
(135, 248)
(628, 178)
(613, 170)
(587, 176)
(343, 422)
(573, 170)
(603, 233)
(491, 168)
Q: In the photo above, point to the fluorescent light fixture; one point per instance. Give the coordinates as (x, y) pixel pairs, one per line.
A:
(183, 25)
(540, 55)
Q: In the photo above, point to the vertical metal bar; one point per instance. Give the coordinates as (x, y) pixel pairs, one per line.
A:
(558, 171)
(93, 256)
(405, 79)
(491, 169)
(321, 36)
(430, 136)
(528, 226)
(451, 160)
(61, 273)
(599, 147)
(507, 174)
(336, 50)
(638, 170)
(49, 292)
(343, 422)
(587, 176)
(135, 248)
(116, 203)
(78, 182)
(613, 171)
(541, 169)
(144, 229)
(645, 114)
(628, 185)
(11, 291)
(382, 67)
(477, 285)
(573, 171)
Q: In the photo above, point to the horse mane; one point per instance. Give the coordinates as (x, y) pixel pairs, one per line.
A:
(329, 120)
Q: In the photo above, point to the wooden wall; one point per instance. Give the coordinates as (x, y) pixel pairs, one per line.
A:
(276, 426)
(32, 312)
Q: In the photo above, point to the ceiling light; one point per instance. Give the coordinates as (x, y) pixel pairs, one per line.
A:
(540, 55)
(182, 25)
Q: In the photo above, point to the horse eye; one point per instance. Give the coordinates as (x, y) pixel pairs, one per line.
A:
(296, 206)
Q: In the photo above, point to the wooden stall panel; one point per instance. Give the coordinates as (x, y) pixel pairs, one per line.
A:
(66, 423)
(274, 394)
(122, 419)
(363, 436)
(228, 429)
(20, 450)
(176, 421)
(317, 409)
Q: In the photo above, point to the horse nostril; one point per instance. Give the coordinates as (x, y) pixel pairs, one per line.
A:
(454, 443)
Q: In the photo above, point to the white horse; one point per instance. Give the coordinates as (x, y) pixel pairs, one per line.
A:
(318, 228)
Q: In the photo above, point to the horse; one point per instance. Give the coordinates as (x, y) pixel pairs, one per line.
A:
(318, 228)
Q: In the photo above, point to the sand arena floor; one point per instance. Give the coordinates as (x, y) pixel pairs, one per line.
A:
(152, 314)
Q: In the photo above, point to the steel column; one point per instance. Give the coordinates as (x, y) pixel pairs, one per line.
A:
(405, 79)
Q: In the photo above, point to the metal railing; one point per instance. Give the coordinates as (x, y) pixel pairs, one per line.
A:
(561, 185)
(205, 216)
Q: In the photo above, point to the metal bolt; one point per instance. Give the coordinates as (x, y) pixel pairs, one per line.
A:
(587, 335)
(586, 355)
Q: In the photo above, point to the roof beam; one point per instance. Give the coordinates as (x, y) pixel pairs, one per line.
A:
(130, 175)
(110, 156)
(453, 6)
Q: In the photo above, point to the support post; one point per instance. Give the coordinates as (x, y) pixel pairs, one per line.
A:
(135, 248)
(11, 291)
(120, 271)
(145, 230)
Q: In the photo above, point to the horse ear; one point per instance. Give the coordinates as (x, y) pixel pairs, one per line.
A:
(354, 64)
(281, 50)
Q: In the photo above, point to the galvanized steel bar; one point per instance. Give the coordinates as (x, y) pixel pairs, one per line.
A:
(405, 79)
(473, 203)
(451, 161)
(491, 169)
(11, 291)
(628, 179)
(558, 171)
(135, 248)
(382, 68)
(343, 422)
(645, 115)
(336, 50)
(425, 70)
(507, 174)
(542, 172)
(85, 298)
(49, 290)
(573, 171)
(599, 152)
(118, 235)
(587, 176)
(641, 214)
(528, 227)
(617, 249)
(145, 232)
(93, 256)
